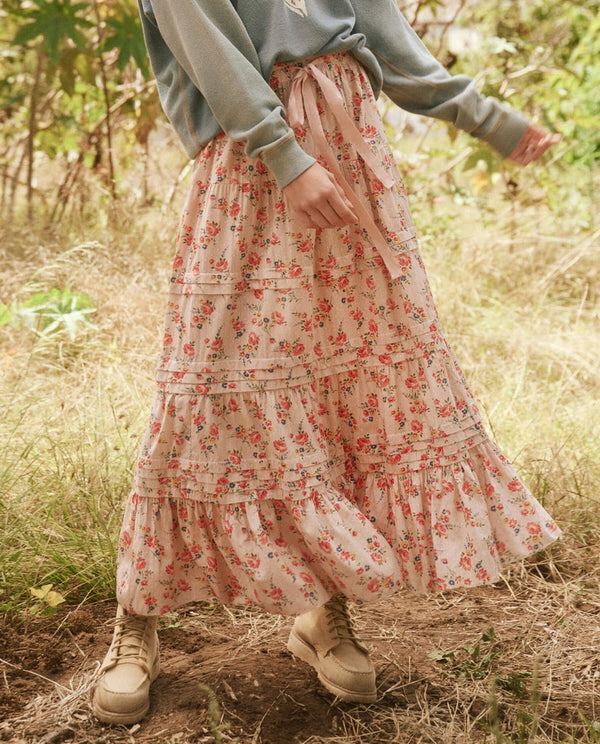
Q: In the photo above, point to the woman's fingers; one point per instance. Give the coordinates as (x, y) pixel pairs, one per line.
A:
(336, 214)
(336, 209)
(533, 144)
(324, 216)
(342, 206)
(318, 200)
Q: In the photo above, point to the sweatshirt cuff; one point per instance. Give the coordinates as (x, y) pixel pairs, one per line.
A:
(286, 160)
(507, 133)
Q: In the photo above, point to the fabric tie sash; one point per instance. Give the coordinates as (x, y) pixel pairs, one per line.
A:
(303, 99)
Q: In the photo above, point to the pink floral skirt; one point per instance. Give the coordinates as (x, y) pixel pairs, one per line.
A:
(311, 431)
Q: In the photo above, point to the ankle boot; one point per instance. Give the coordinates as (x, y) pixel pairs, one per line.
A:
(325, 639)
(122, 693)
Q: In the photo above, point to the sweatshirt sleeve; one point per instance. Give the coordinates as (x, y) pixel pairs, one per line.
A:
(417, 82)
(209, 41)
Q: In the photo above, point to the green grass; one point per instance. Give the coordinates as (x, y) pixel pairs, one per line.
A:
(74, 405)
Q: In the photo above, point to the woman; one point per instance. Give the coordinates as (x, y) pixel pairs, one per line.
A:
(312, 437)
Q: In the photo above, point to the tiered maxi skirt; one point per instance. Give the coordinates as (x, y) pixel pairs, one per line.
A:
(311, 431)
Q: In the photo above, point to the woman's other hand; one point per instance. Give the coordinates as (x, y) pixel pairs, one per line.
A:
(317, 200)
(533, 144)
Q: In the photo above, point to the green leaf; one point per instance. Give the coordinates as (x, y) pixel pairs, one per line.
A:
(56, 311)
(53, 599)
(84, 64)
(6, 315)
(488, 635)
(127, 37)
(482, 154)
(27, 33)
(55, 21)
(42, 592)
(49, 142)
(67, 69)
(9, 101)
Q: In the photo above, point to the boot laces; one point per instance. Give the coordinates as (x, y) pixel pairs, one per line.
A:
(339, 619)
(130, 641)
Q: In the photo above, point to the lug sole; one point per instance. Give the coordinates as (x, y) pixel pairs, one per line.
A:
(304, 651)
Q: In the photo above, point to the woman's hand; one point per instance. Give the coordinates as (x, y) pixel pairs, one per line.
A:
(532, 145)
(317, 200)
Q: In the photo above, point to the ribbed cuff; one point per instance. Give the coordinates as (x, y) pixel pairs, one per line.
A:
(508, 133)
(287, 160)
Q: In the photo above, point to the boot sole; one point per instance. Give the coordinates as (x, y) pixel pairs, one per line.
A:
(304, 651)
(126, 719)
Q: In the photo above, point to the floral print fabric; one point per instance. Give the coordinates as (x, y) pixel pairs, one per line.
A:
(311, 430)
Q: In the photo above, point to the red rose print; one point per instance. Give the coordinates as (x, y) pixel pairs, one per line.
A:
(280, 445)
(206, 308)
(416, 427)
(374, 585)
(254, 259)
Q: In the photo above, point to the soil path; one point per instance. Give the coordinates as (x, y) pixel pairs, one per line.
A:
(226, 675)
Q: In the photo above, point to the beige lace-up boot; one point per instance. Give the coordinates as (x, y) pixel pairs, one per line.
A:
(325, 639)
(122, 693)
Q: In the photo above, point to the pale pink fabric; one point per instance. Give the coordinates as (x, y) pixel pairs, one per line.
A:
(311, 430)
(306, 85)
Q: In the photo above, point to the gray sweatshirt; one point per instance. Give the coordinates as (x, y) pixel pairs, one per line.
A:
(213, 58)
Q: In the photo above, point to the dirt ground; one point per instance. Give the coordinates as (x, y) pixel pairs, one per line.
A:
(443, 675)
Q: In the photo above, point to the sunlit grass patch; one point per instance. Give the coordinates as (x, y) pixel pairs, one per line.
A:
(74, 399)
(67, 455)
